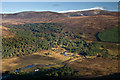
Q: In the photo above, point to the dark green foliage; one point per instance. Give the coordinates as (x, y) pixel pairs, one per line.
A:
(42, 74)
(31, 38)
(62, 71)
(47, 53)
(110, 35)
(84, 48)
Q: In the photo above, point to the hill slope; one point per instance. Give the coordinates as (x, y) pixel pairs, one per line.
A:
(89, 22)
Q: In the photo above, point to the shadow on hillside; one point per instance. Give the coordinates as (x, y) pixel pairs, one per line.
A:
(96, 35)
(115, 76)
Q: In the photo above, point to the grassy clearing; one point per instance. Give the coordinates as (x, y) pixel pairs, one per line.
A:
(95, 67)
(54, 55)
(18, 62)
(36, 58)
(41, 57)
(113, 52)
(113, 49)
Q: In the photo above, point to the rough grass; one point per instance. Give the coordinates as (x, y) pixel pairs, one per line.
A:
(113, 49)
(54, 57)
(18, 62)
(95, 67)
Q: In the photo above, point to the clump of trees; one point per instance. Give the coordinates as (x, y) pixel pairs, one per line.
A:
(84, 48)
(31, 38)
(43, 73)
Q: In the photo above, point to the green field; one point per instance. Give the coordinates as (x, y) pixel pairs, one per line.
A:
(110, 35)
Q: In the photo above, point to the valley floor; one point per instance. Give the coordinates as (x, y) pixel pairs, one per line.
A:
(91, 66)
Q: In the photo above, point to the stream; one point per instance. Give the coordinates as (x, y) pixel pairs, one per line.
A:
(66, 54)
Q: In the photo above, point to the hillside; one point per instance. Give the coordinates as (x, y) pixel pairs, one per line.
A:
(61, 44)
(48, 14)
(91, 12)
(88, 22)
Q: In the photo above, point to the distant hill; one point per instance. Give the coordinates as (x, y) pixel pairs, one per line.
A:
(48, 14)
(92, 12)
(32, 14)
(89, 22)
